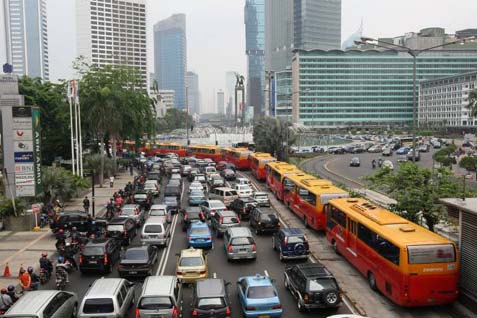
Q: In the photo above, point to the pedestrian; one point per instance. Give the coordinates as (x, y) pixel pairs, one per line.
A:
(131, 169)
(373, 163)
(111, 181)
(86, 204)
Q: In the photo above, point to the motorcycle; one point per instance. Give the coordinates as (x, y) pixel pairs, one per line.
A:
(44, 276)
(61, 277)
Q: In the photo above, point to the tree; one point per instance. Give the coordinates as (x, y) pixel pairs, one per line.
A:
(417, 191)
(445, 156)
(469, 163)
(173, 119)
(270, 135)
(472, 105)
(59, 183)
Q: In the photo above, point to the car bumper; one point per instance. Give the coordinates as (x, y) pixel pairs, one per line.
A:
(264, 204)
(236, 256)
(92, 267)
(200, 244)
(313, 306)
(134, 272)
(191, 278)
(295, 256)
(263, 314)
(154, 241)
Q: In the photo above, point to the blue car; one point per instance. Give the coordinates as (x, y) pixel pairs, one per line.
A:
(403, 151)
(199, 235)
(258, 297)
(196, 198)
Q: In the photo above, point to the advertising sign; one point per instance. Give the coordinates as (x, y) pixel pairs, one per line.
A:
(21, 123)
(21, 111)
(25, 191)
(26, 145)
(24, 168)
(27, 179)
(37, 149)
(22, 134)
(26, 156)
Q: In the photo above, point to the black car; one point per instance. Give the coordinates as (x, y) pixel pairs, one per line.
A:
(243, 207)
(291, 243)
(173, 191)
(313, 285)
(154, 176)
(264, 220)
(138, 261)
(123, 229)
(99, 255)
(191, 215)
(210, 299)
(68, 219)
(228, 174)
(192, 174)
(172, 204)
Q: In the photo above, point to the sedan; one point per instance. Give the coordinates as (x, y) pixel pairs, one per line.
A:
(138, 261)
(195, 186)
(172, 204)
(135, 212)
(151, 186)
(243, 190)
(191, 265)
(196, 198)
(228, 174)
(354, 162)
(160, 210)
(192, 215)
(258, 297)
(403, 151)
(199, 235)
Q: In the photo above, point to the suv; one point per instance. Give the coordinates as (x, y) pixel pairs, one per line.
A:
(239, 244)
(172, 204)
(123, 229)
(313, 285)
(261, 198)
(68, 219)
(223, 220)
(210, 299)
(264, 220)
(243, 207)
(99, 254)
(291, 244)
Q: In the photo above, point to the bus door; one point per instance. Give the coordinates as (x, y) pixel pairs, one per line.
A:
(351, 235)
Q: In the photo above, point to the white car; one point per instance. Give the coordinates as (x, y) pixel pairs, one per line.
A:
(243, 181)
(151, 185)
(243, 190)
(388, 164)
(160, 210)
(194, 186)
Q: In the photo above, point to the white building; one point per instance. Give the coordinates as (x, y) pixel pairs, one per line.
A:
(220, 102)
(168, 96)
(26, 37)
(113, 32)
(193, 96)
(443, 101)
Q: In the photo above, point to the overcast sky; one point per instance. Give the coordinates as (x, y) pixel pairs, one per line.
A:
(216, 31)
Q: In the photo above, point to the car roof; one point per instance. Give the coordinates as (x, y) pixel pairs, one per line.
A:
(227, 213)
(137, 248)
(314, 270)
(265, 210)
(191, 252)
(158, 206)
(224, 188)
(210, 287)
(158, 285)
(32, 302)
(239, 231)
(257, 280)
(104, 287)
(199, 224)
(293, 231)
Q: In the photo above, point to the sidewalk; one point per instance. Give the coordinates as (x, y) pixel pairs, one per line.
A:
(17, 248)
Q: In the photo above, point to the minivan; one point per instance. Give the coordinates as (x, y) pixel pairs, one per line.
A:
(156, 231)
(210, 299)
(239, 244)
(226, 195)
(107, 297)
(161, 296)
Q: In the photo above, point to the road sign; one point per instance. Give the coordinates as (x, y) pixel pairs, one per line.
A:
(35, 208)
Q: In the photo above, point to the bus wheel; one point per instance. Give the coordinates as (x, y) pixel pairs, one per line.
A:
(335, 247)
(372, 281)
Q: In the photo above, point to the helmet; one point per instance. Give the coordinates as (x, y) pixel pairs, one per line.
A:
(44, 254)
(4, 290)
(61, 231)
(11, 288)
(74, 228)
(61, 259)
(30, 269)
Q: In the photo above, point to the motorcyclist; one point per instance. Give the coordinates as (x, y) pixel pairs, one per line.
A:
(61, 269)
(12, 293)
(25, 280)
(5, 300)
(69, 256)
(60, 239)
(110, 209)
(119, 202)
(35, 279)
(46, 264)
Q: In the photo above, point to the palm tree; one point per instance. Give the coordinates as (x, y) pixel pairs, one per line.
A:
(472, 105)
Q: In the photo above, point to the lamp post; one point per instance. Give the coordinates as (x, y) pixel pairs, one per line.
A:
(414, 53)
(187, 114)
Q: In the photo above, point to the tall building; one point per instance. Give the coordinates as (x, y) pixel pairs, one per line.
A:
(193, 96)
(113, 33)
(27, 37)
(317, 24)
(168, 96)
(278, 34)
(366, 88)
(170, 56)
(220, 102)
(230, 81)
(255, 50)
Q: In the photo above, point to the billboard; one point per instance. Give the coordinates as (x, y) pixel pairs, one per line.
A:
(22, 134)
(37, 149)
(26, 145)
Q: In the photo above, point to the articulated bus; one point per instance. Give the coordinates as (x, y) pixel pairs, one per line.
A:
(205, 151)
(168, 147)
(307, 196)
(237, 156)
(407, 263)
(258, 160)
(275, 172)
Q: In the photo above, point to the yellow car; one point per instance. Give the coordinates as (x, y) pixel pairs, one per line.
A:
(192, 265)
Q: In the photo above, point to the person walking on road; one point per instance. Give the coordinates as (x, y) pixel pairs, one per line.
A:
(111, 181)
(373, 163)
(86, 204)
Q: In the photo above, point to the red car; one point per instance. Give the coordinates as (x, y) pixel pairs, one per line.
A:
(221, 165)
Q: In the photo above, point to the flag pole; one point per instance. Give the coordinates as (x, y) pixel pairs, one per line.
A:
(79, 128)
(69, 91)
(76, 128)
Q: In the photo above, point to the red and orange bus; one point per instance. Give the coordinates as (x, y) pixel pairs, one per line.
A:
(205, 151)
(407, 263)
(307, 196)
(258, 160)
(237, 156)
(168, 147)
(275, 173)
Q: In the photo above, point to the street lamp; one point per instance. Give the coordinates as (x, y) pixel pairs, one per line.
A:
(414, 53)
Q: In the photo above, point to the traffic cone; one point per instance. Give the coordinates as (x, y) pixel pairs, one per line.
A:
(20, 270)
(6, 272)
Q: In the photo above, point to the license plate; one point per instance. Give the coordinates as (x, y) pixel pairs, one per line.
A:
(263, 316)
(93, 262)
(157, 316)
(200, 240)
(132, 273)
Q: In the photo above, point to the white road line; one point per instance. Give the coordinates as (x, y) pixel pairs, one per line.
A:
(266, 273)
(165, 252)
(169, 245)
(215, 275)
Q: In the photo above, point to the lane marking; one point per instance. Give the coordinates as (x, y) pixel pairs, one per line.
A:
(215, 275)
(169, 245)
(266, 273)
(8, 260)
(165, 252)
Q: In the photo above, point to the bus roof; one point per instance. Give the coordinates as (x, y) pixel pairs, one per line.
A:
(315, 185)
(389, 225)
(261, 155)
(283, 167)
(204, 146)
(231, 149)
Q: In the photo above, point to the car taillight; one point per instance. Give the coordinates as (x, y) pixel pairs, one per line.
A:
(191, 238)
(208, 238)
(221, 220)
(229, 248)
(195, 313)
(125, 234)
(285, 241)
(202, 272)
(212, 211)
(179, 273)
(81, 259)
(175, 312)
(254, 247)
(138, 314)
(105, 259)
(227, 311)
(136, 212)
(306, 298)
(249, 308)
(277, 306)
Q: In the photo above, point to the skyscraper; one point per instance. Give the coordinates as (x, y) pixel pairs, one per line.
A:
(113, 33)
(193, 97)
(170, 56)
(317, 24)
(26, 37)
(230, 81)
(255, 50)
(220, 102)
(278, 34)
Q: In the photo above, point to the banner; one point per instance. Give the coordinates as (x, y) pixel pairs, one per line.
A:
(37, 149)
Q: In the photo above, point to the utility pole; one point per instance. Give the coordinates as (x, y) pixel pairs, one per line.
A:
(187, 112)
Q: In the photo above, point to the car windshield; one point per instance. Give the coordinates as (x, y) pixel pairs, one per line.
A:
(261, 196)
(98, 306)
(153, 228)
(295, 239)
(211, 303)
(127, 211)
(93, 250)
(155, 302)
(230, 220)
(199, 231)
(135, 254)
(158, 212)
(217, 205)
(193, 215)
(191, 261)
(257, 292)
(197, 195)
(242, 241)
(140, 196)
(320, 284)
(115, 228)
(170, 200)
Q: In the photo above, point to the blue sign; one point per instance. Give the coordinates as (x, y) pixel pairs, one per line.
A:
(26, 156)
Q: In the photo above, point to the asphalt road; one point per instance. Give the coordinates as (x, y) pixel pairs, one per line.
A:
(267, 263)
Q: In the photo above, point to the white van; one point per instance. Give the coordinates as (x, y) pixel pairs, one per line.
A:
(226, 195)
(156, 231)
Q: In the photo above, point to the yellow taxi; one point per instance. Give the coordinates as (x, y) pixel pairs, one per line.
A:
(192, 265)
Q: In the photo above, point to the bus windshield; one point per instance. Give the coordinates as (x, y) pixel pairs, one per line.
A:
(429, 254)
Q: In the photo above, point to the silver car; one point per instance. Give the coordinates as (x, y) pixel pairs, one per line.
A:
(210, 207)
(45, 304)
(135, 212)
(261, 198)
(239, 244)
(223, 220)
(160, 210)
(161, 296)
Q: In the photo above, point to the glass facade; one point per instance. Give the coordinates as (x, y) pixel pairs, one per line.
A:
(170, 58)
(284, 92)
(255, 50)
(366, 88)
